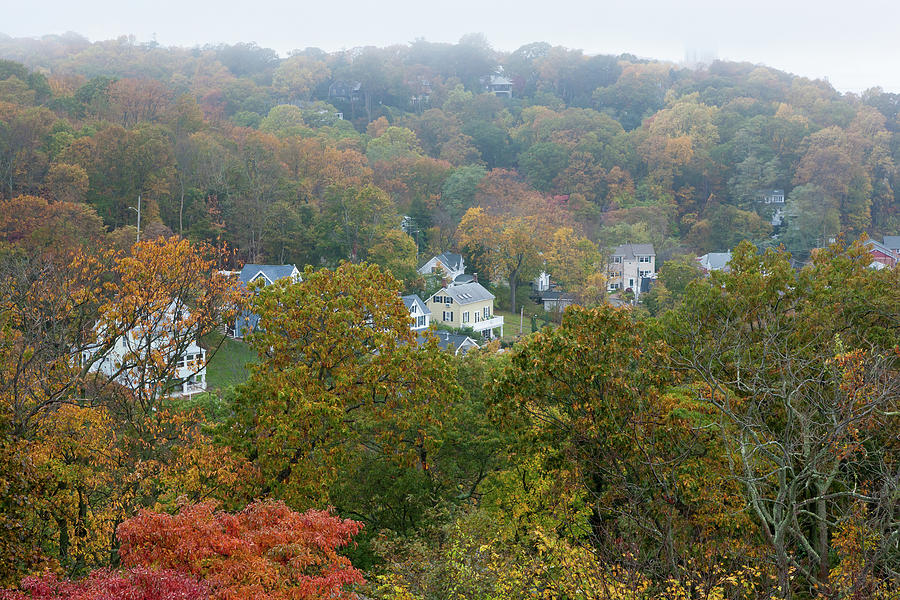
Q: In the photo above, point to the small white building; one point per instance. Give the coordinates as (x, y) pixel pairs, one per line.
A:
(419, 314)
(161, 346)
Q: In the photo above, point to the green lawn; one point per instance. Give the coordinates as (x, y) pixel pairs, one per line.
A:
(511, 321)
(228, 366)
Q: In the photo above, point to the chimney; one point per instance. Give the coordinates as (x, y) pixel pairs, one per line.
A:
(475, 277)
(445, 282)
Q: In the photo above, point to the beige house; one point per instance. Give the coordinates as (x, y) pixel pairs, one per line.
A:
(465, 305)
(628, 265)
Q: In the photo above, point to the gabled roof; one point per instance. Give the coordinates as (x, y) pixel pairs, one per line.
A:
(448, 341)
(451, 260)
(715, 261)
(874, 245)
(463, 278)
(631, 251)
(414, 299)
(466, 293)
(272, 273)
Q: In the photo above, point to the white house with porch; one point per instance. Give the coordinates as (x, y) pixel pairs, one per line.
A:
(159, 344)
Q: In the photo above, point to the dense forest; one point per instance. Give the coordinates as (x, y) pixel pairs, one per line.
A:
(733, 437)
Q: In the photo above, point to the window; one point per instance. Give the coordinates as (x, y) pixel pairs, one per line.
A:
(420, 322)
(630, 282)
(644, 259)
(613, 286)
(447, 316)
(645, 273)
(617, 259)
(477, 316)
(487, 313)
(465, 317)
(412, 309)
(438, 299)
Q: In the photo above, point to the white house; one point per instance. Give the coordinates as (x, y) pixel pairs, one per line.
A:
(629, 264)
(159, 345)
(447, 265)
(419, 314)
(466, 305)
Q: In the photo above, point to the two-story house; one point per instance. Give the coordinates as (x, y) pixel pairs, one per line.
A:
(159, 348)
(419, 314)
(267, 274)
(628, 265)
(466, 305)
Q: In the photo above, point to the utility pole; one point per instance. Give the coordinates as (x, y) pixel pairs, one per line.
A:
(138, 211)
(139, 220)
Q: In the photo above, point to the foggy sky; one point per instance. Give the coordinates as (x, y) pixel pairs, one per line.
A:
(854, 44)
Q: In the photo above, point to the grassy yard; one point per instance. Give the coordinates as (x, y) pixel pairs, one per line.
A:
(228, 365)
(512, 321)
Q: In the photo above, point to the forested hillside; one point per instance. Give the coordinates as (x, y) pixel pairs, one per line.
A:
(235, 143)
(734, 436)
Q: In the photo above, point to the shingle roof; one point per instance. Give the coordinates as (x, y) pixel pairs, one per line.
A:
(467, 293)
(630, 251)
(715, 261)
(414, 299)
(446, 340)
(272, 272)
(875, 245)
(453, 261)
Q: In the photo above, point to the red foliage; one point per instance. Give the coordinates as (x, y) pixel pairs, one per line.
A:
(133, 584)
(265, 552)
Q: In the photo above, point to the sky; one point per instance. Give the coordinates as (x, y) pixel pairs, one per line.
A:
(855, 45)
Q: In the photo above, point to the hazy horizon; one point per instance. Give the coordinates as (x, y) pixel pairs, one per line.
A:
(854, 50)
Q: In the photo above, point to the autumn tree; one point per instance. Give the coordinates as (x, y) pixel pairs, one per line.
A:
(801, 369)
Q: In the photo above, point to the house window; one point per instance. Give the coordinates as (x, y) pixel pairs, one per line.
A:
(644, 259)
(420, 322)
(613, 286)
(617, 259)
(645, 273)
(465, 317)
(630, 282)
(447, 316)
(487, 313)
(412, 309)
(477, 316)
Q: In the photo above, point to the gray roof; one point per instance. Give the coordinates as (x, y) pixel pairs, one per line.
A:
(272, 272)
(453, 261)
(715, 261)
(463, 278)
(892, 241)
(467, 293)
(447, 340)
(875, 245)
(414, 299)
(630, 251)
